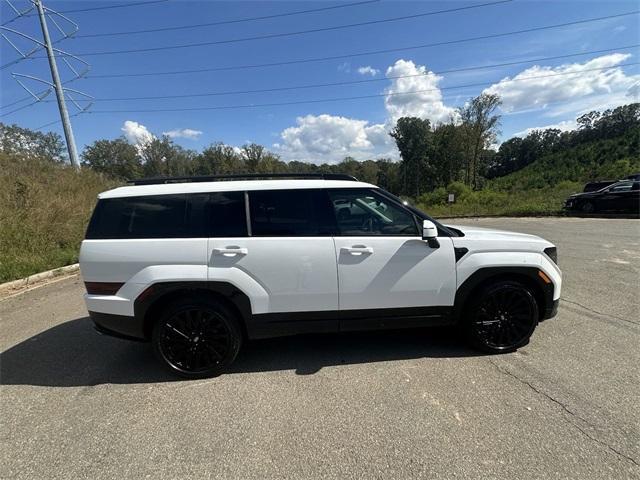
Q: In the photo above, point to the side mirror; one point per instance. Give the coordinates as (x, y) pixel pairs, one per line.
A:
(430, 233)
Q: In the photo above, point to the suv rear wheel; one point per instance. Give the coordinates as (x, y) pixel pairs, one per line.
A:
(196, 337)
(502, 318)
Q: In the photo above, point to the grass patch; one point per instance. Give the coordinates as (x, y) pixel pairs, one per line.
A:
(44, 209)
(541, 201)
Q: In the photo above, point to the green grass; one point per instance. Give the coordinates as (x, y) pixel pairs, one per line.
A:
(542, 201)
(44, 209)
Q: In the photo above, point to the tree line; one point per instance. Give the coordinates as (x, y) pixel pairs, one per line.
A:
(432, 155)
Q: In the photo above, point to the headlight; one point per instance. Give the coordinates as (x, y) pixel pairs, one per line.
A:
(552, 253)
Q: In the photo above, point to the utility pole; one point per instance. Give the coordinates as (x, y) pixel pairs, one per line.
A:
(62, 106)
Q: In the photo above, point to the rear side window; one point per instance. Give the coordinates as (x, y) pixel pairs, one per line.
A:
(290, 213)
(159, 216)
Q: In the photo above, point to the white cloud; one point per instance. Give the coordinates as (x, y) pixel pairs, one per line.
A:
(524, 92)
(328, 139)
(368, 70)
(183, 133)
(563, 126)
(137, 133)
(344, 67)
(426, 101)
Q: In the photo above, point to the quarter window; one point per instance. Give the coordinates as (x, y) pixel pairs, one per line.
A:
(157, 216)
(364, 212)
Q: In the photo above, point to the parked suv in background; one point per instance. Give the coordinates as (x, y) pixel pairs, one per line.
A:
(199, 265)
(622, 196)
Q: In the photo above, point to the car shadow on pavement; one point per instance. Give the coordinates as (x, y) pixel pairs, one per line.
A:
(73, 354)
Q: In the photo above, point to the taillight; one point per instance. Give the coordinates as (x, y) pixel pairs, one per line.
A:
(102, 288)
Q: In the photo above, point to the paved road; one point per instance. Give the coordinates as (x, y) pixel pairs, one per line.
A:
(399, 405)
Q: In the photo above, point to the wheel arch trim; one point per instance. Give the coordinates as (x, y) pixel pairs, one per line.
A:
(529, 275)
(164, 291)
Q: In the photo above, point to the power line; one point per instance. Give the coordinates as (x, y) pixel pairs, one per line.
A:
(288, 34)
(359, 54)
(349, 82)
(357, 97)
(19, 108)
(439, 72)
(58, 121)
(226, 22)
(109, 7)
(78, 10)
(355, 82)
(335, 99)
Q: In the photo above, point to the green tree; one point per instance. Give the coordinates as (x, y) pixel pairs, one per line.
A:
(31, 144)
(162, 157)
(115, 158)
(414, 140)
(219, 159)
(480, 129)
(448, 153)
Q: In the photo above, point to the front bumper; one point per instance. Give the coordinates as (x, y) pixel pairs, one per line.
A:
(551, 310)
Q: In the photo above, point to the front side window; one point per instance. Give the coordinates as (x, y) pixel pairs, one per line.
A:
(364, 212)
(290, 213)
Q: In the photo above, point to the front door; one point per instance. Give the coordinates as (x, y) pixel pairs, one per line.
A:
(383, 263)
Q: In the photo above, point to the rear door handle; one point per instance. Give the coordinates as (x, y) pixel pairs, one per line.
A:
(358, 250)
(230, 251)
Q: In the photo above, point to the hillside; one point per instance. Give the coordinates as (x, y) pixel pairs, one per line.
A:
(44, 209)
(601, 159)
(542, 186)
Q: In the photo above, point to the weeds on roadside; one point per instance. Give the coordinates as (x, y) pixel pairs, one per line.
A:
(44, 209)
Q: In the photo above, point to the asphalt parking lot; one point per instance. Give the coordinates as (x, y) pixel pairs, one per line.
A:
(412, 404)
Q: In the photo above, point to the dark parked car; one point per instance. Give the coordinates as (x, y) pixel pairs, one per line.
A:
(600, 184)
(623, 196)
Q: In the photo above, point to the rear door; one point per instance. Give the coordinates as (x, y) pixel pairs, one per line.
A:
(383, 263)
(283, 257)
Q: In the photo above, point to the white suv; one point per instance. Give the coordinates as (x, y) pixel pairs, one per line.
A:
(199, 265)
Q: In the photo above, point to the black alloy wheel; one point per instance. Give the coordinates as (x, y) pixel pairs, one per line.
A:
(196, 338)
(503, 317)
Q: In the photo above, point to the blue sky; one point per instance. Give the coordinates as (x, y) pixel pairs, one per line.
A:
(327, 131)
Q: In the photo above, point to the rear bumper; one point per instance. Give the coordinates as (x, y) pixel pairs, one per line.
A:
(551, 310)
(121, 326)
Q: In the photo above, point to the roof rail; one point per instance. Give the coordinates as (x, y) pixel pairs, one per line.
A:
(241, 176)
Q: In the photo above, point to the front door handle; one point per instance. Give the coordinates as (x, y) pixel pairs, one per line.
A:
(358, 250)
(230, 251)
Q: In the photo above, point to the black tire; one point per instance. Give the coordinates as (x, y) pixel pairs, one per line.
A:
(196, 337)
(502, 317)
(588, 207)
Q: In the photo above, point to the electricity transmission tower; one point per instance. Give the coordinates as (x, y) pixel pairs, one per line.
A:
(45, 13)
(62, 105)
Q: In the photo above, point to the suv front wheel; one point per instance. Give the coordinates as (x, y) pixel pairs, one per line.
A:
(502, 318)
(196, 337)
